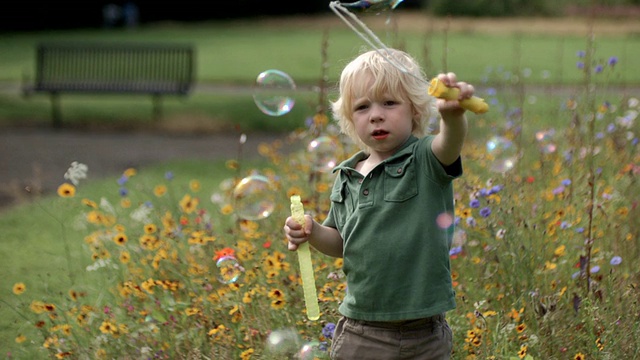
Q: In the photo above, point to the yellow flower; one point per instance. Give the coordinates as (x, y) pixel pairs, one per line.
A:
(227, 209)
(130, 172)
(150, 228)
(246, 355)
(560, 250)
(191, 311)
(549, 265)
(108, 327)
(521, 327)
(579, 356)
(19, 288)
(194, 185)
(523, 352)
(188, 204)
(278, 304)
(21, 338)
(66, 190)
(159, 190)
(89, 203)
(120, 239)
(125, 257)
(125, 203)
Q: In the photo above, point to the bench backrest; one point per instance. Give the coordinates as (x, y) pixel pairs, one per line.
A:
(114, 67)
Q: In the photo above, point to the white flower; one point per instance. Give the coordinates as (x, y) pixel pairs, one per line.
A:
(141, 214)
(76, 172)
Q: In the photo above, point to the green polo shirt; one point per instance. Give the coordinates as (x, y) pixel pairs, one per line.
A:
(396, 256)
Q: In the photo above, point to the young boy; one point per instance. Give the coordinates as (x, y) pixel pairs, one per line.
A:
(387, 206)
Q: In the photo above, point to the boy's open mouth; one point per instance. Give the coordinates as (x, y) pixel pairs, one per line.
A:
(379, 134)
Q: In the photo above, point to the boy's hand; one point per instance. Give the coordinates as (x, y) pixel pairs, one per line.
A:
(295, 233)
(452, 107)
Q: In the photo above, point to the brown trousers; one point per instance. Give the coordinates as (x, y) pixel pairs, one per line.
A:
(421, 339)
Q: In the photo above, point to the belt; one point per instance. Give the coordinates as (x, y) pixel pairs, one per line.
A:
(413, 323)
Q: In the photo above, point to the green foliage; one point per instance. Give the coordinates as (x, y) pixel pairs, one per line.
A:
(491, 8)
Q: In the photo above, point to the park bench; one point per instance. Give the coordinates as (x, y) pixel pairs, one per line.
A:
(112, 68)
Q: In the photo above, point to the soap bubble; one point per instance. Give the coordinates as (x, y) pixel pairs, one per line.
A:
(310, 351)
(502, 154)
(254, 198)
(444, 220)
(545, 141)
(283, 343)
(322, 151)
(230, 269)
(273, 92)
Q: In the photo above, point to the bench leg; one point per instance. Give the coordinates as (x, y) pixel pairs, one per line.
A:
(157, 107)
(56, 114)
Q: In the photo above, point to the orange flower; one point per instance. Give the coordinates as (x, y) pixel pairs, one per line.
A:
(224, 252)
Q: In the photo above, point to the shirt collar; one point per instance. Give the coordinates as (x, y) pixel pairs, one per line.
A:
(351, 162)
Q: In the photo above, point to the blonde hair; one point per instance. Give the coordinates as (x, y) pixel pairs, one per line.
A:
(394, 72)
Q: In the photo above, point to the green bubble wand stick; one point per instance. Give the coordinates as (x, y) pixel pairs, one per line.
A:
(306, 268)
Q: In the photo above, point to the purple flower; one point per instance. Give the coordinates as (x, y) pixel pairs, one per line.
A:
(616, 260)
(122, 180)
(485, 212)
(581, 54)
(613, 61)
(474, 204)
(580, 230)
(559, 190)
(598, 69)
(595, 269)
(565, 225)
(455, 250)
(580, 65)
(168, 175)
(471, 221)
(492, 91)
(566, 182)
(123, 191)
(495, 189)
(328, 329)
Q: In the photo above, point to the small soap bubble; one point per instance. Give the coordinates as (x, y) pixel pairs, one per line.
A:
(444, 220)
(545, 141)
(229, 269)
(254, 198)
(283, 343)
(310, 351)
(273, 92)
(322, 151)
(502, 154)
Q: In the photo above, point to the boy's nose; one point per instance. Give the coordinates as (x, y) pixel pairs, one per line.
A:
(376, 114)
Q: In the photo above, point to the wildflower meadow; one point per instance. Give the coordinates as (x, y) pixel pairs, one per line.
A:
(543, 258)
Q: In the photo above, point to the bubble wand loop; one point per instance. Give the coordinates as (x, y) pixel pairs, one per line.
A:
(436, 88)
(304, 261)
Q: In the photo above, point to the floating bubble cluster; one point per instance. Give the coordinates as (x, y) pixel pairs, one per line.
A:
(273, 92)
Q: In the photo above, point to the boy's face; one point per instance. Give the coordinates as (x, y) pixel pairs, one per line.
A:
(383, 123)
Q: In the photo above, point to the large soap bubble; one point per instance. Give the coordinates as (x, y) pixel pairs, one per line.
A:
(273, 92)
(323, 153)
(502, 154)
(254, 198)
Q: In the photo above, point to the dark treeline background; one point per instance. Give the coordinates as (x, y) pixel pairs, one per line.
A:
(29, 15)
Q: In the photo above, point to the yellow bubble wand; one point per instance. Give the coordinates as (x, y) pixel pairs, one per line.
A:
(304, 261)
(436, 88)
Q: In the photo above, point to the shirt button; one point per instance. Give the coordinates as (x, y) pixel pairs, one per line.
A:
(365, 192)
(399, 170)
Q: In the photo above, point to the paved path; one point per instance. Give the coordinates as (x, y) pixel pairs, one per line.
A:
(38, 158)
